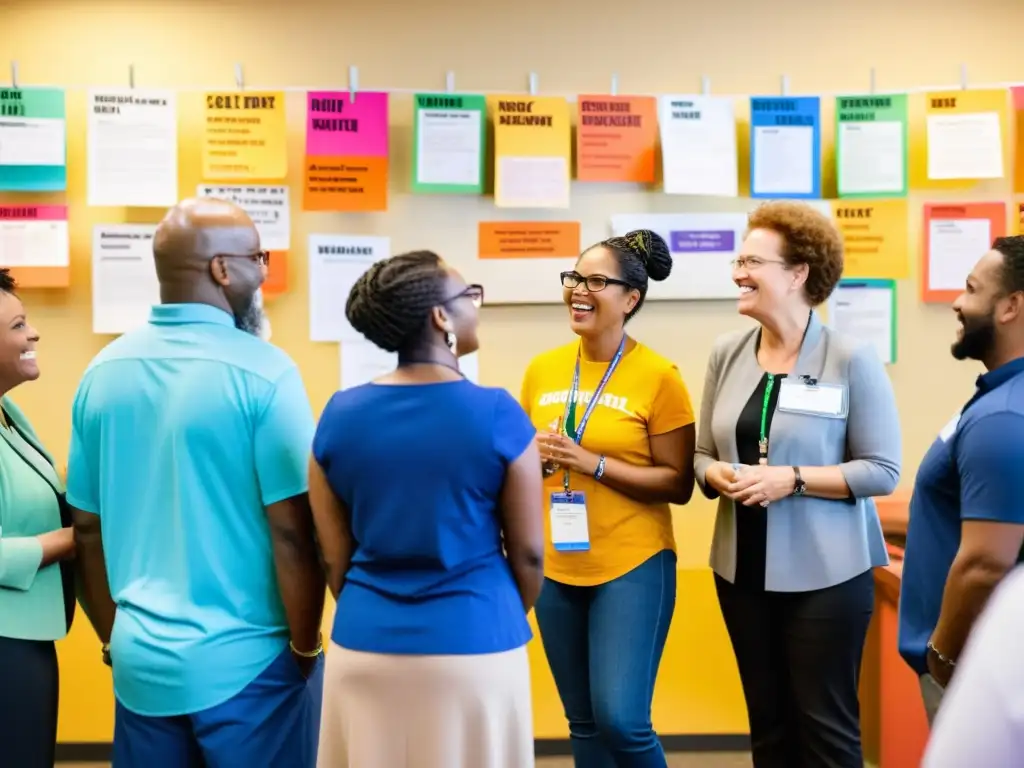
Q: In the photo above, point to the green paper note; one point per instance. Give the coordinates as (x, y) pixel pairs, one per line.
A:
(867, 310)
(871, 145)
(449, 135)
(33, 103)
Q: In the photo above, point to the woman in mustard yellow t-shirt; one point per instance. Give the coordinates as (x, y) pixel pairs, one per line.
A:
(611, 468)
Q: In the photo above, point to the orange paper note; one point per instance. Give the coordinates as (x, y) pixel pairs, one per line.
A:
(277, 274)
(346, 184)
(529, 239)
(616, 138)
(956, 236)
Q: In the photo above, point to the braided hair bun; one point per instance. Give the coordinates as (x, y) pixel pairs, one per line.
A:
(651, 250)
(391, 302)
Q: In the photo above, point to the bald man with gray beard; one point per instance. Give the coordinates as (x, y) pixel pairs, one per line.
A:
(187, 478)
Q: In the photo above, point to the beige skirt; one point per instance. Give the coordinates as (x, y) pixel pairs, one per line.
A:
(396, 711)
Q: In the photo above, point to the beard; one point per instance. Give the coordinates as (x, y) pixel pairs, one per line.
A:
(977, 340)
(253, 320)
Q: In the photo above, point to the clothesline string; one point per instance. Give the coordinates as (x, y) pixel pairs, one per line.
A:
(515, 92)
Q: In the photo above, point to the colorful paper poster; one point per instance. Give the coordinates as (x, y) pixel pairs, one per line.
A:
(698, 146)
(785, 147)
(132, 148)
(616, 138)
(1017, 95)
(33, 140)
(528, 239)
(532, 150)
(449, 139)
(245, 136)
(346, 151)
(336, 262)
(267, 206)
(866, 310)
(966, 130)
(875, 237)
(124, 283)
(956, 236)
(34, 236)
(872, 140)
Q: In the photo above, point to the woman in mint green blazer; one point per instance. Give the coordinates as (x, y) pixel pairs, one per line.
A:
(37, 598)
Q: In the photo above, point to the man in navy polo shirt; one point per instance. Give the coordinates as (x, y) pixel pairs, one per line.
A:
(967, 512)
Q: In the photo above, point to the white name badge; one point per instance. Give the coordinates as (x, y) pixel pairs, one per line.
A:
(569, 531)
(949, 429)
(827, 400)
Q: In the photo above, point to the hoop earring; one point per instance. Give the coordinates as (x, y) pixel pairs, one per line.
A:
(452, 341)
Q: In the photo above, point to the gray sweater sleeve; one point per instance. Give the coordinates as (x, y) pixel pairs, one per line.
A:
(873, 439)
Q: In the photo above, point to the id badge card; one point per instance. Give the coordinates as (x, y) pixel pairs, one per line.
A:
(569, 531)
(830, 401)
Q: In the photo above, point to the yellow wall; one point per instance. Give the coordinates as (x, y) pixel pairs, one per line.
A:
(655, 46)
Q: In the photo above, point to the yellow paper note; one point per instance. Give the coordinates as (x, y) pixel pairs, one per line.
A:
(532, 149)
(965, 137)
(875, 236)
(245, 136)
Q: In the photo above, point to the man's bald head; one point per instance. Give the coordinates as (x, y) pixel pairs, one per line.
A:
(207, 251)
(196, 230)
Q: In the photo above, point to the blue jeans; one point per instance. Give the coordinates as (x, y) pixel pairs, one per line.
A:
(274, 721)
(604, 645)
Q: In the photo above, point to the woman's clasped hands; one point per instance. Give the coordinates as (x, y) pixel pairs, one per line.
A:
(750, 485)
(557, 448)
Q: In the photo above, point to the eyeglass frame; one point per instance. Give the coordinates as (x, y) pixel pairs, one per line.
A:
(585, 281)
(262, 258)
(467, 292)
(744, 262)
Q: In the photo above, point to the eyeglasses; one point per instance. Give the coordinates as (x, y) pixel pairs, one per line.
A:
(753, 262)
(474, 293)
(260, 257)
(594, 283)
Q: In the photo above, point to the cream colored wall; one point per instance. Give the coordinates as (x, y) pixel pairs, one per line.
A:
(655, 47)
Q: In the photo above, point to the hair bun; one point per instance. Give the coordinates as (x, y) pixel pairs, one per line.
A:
(651, 249)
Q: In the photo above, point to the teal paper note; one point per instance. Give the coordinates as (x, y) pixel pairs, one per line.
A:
(872, 138)
(33, 140)
(449, 138)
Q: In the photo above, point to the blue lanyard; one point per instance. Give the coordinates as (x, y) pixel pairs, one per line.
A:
(570, 404)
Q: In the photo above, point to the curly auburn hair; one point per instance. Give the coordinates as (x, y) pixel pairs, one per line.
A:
(808, 237)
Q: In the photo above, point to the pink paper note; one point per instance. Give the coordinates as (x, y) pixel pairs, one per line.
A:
(33, 213)
(336, 126)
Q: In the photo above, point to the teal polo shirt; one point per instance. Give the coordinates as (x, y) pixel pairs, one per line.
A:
(183, 432)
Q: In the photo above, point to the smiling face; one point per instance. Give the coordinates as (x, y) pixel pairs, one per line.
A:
(765, 280)
(981, 309)
(592, 313)
(18, 342)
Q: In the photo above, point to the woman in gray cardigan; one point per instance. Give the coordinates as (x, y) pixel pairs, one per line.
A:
(798, 431)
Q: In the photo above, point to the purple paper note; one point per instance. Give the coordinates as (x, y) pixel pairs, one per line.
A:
(692, 241)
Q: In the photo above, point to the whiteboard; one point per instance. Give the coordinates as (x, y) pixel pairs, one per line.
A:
(703, 246)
